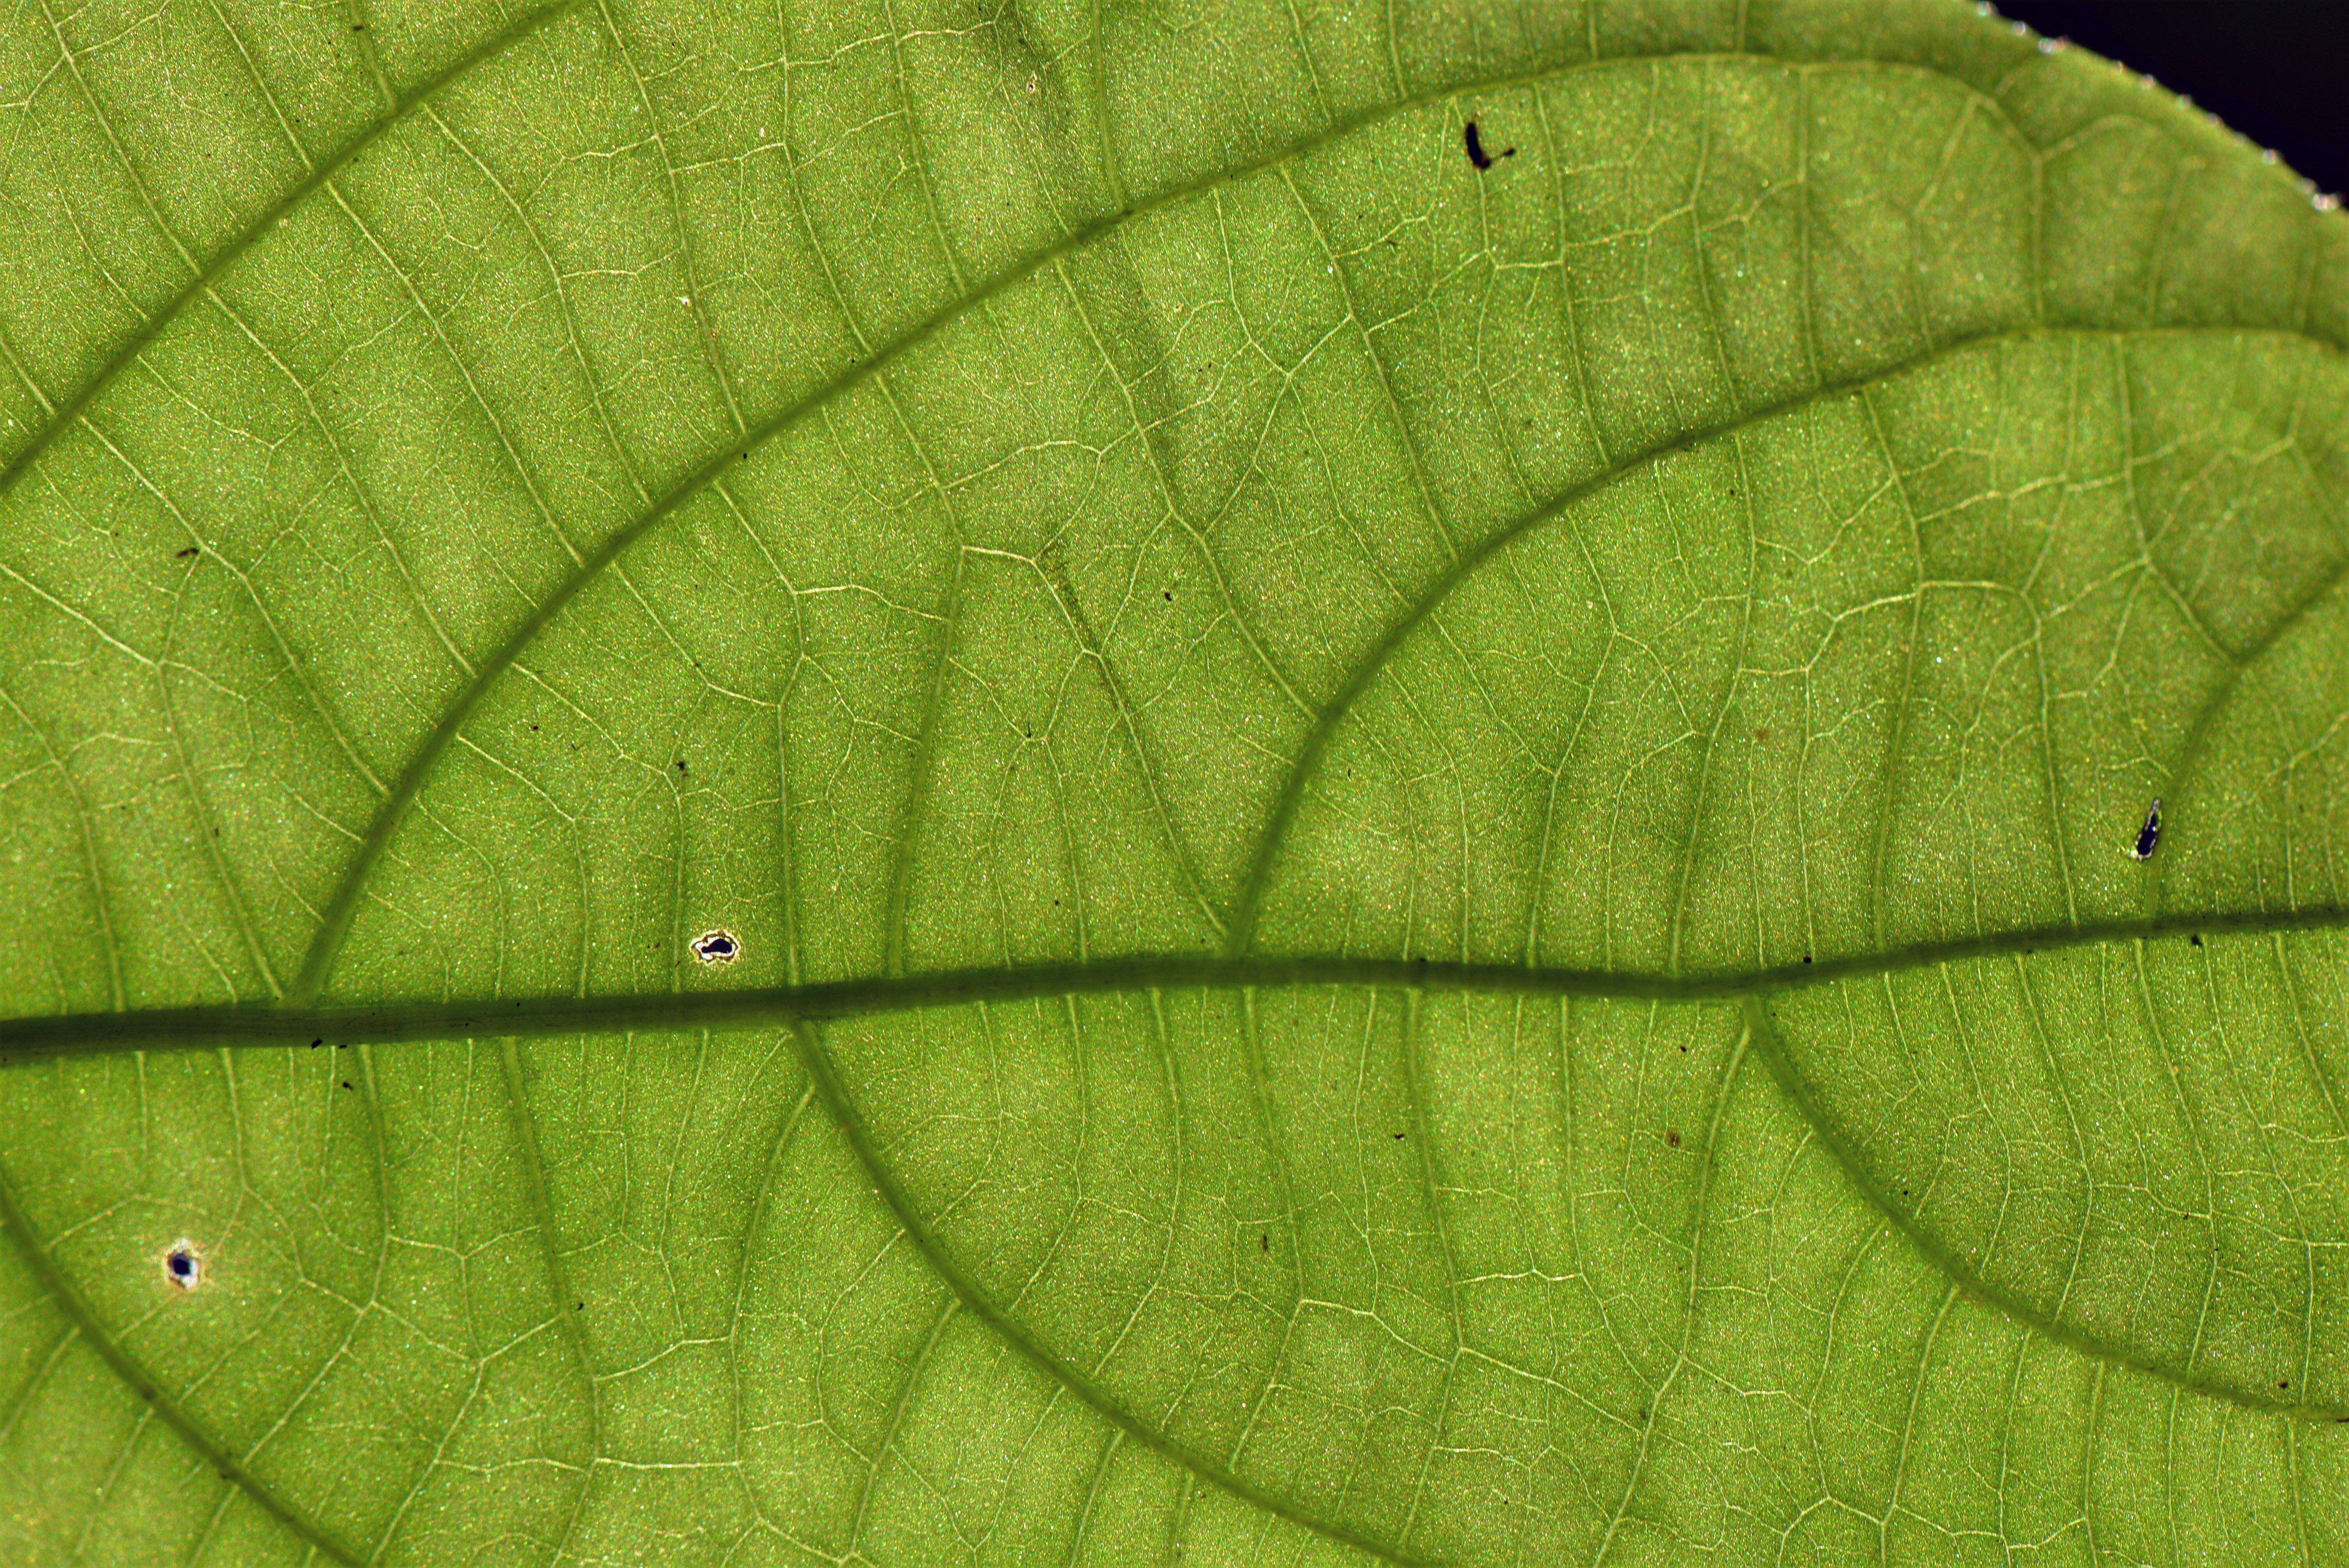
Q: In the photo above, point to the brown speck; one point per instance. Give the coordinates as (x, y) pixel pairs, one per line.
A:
(1170, 595)
(1264, 1239)
(1762, 736)
(1672, 1135)
(183, 554)
(680, 765)
(2196, 939)
(1476, 153)
(346, 1083)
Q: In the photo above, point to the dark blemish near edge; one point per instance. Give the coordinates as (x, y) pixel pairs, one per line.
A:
(1476, 153)
(2196, 939)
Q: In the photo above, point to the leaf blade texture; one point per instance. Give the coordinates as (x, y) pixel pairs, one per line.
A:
(1422, 862)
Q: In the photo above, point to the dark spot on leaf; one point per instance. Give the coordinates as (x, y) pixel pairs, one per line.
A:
(680, 765)
(1264, 1239)
(2283, 1383)
(2148, 838)
(1476, 153)
(183, 554)
(719, 946)
(346, 1083)
(1398, 1137)
(1170, 595)
(316, 1044)
(1762, 736)
(2196, 939)
(1806, 958)
(1672, 1135)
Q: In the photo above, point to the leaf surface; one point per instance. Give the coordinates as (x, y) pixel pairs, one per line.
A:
(1425, 863)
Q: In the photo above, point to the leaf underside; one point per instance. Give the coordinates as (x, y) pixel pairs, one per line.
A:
(976, 783)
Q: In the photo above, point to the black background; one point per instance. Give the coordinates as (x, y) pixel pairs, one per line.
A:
(2277, 71)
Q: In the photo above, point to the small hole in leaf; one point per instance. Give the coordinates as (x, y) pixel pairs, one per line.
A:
(719, 946)
(183, 1264)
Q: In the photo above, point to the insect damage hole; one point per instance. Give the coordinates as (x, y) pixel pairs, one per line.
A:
(719, 946)
(2148, 838)
(183, 1264)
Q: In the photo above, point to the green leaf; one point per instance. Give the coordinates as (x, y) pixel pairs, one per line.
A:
(1426, 863)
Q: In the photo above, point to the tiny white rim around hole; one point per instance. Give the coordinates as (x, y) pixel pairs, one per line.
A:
(195, 1256)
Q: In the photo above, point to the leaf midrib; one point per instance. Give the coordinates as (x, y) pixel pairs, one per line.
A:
(50, 1036)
